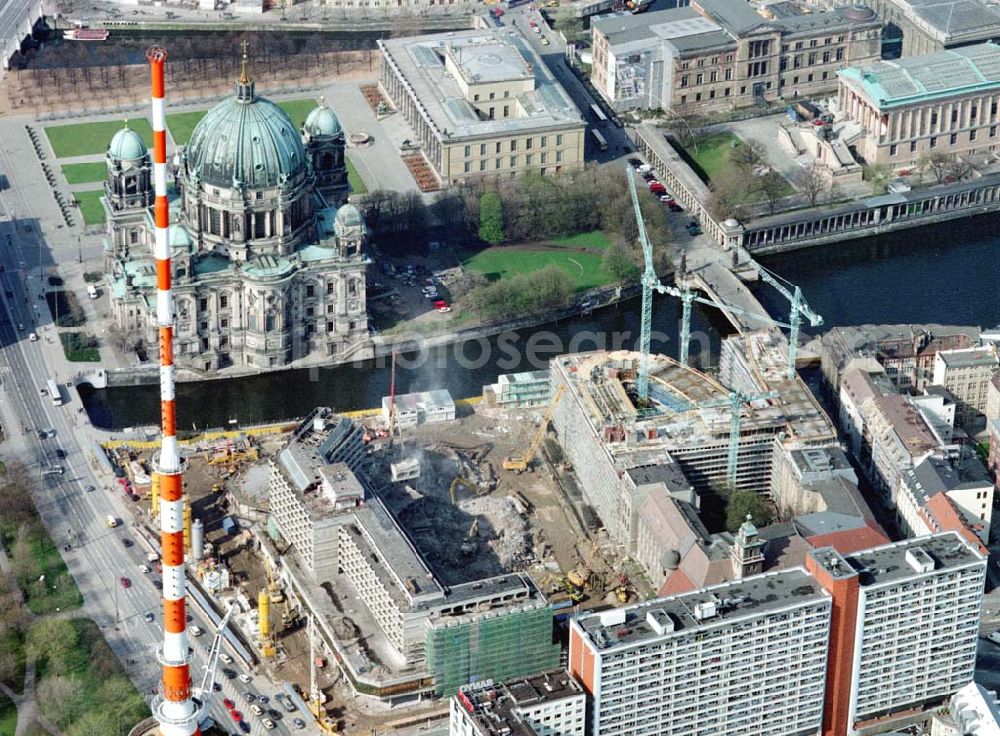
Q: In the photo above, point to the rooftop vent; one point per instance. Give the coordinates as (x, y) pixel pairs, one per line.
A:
(706, 610)
(659, 621)
(919, 560)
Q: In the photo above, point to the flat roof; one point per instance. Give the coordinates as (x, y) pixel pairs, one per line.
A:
(968, 357)
(419, 61)
(489, 62)
(915, 79)
(674, 24)
(496, 707)
(752, 597)
(888, 564)
(949, 19)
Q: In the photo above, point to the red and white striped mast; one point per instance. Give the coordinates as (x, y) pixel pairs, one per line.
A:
(174, 709)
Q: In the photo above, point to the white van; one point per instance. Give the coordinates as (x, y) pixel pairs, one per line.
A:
(91, 291)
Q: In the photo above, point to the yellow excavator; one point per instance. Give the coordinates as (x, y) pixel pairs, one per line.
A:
(521, 463)
(580, 576)
(460, 481)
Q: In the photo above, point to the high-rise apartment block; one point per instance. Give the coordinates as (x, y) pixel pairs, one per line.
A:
(847, 642)
(967, 374)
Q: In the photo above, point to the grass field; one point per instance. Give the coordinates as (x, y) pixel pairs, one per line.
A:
(708, 154)
(354, 178)
(507, 261)
(594, 240)
(80, 347)
(85, 173)
(181, 125)
(90, 206)
(8, 717)
(82, 139)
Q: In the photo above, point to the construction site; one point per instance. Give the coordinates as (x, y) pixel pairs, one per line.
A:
(480, 515)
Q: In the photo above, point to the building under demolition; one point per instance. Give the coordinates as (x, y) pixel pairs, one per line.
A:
(395, 629)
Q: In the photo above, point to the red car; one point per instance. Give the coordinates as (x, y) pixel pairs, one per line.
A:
(126, 583)
(237, 716)
(228, 703)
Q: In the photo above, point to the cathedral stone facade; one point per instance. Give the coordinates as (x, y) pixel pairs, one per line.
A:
(268, 257)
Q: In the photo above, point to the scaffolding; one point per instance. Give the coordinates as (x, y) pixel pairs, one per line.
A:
(473, 648)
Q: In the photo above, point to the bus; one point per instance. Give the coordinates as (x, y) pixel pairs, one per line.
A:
(54, 392)
(598, 113)
(601, 143)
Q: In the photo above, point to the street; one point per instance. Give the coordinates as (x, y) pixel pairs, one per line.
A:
(97, 557)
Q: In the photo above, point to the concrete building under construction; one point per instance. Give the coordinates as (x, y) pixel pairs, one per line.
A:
(395, 629)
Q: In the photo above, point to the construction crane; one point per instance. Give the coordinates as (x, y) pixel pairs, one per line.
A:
(205, 692)
(520, 463)
(651, 282)
(799, 307)
(315, 695)
(393, 424)
(735, 402)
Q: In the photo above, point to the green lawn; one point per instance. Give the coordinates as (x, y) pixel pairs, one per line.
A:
(709, 153)
(181, 125)
(594, 240)
(506, 261)
(8, 717)
(82, 139)
(80, 347)
(90, 206)
(85, 173)
(58, 589)
(298, 110)
(354, 179)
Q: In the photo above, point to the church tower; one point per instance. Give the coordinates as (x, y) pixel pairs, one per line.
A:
(128, 190)
(324, 141)
(748, 551)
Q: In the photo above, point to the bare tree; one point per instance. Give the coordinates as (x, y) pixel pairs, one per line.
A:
(772, 186)
(812, 181)
(960, 168)
(936, 162)
(749, 154)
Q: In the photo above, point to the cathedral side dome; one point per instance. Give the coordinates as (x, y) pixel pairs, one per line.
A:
(322, 121)
(127, 145)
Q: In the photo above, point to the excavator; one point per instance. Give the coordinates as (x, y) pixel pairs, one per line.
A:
(580, 576)
(521, 463)
(460, 481)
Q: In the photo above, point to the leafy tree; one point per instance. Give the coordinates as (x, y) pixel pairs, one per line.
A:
(54, 640)
(61, 699)
(619, 263)
(490, 218)
(567, 22)
(95, 723)
(742, 503)
(878, 176)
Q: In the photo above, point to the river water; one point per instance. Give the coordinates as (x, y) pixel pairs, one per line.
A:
(946, 273)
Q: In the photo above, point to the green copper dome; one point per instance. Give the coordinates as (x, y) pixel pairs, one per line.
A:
(127, 145)
(349, 216)
(322, 121)
(246, 139)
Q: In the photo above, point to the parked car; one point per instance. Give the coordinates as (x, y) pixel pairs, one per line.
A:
(248, 696)
(126, 543)
(125, 582)
(144, 568)
(237, 716)
(693, 227)
(545, 41)
(149, 617)
(299, 723)
(196, 631)
(268, 724)
(228, 703)
(225, 658)
(33, 336)
(60, 453)
(256, 709)
(245, 678)
(229, 674)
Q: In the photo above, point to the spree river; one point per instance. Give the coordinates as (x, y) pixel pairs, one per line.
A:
(946, 273)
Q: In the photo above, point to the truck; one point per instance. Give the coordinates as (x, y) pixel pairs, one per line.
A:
(112, 521)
